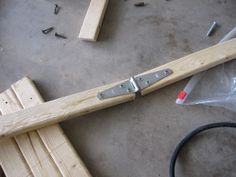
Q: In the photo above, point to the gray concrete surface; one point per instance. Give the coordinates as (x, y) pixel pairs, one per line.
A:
(134, 139)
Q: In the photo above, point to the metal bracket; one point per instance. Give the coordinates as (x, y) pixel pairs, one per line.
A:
(135, 84)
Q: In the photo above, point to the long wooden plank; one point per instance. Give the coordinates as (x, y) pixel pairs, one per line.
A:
(85, 102)
(43, 114)
(30, 144)
(10, 155)
(57, 144)
(93, 20)
(194, 63)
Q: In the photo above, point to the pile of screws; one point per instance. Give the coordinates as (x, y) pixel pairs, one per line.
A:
(50, 29)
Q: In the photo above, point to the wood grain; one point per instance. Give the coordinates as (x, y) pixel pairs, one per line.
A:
(93, 20)
(85, 102)
(30, 144)
(54, 139)
(195, 63)
(58, 110)
(10, 155)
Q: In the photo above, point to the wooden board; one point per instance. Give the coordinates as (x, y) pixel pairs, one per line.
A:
(36, 154)
(10, 156)
(85, 102)
(30, 144)
(93, 20)
(43, 114)
(56, 143)
(195, 63)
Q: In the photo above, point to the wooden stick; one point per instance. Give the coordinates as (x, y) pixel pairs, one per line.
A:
(76, 104)
(85, 102)
(93, 20)
(194, 63)
(53, 137)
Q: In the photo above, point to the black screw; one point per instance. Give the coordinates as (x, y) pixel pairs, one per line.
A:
(121, 85)
(166, 72)
(140, 4)
(60, 36)
(48, 30)
(56, 9)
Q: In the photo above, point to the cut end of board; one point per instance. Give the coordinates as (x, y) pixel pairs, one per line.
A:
(87, 38)
(93, 20)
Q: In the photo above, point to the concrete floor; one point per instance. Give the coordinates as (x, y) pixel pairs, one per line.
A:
(134, 139)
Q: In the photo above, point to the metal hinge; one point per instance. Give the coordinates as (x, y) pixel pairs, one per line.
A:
(135, 84)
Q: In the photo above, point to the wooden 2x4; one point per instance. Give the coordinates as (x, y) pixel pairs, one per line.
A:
(85, 102)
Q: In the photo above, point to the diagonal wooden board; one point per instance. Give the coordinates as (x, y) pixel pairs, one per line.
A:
(93, 20)
(85, 102)
(53, 137)
(43, 147)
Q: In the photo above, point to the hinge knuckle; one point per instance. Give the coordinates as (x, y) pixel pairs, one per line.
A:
(135, 84)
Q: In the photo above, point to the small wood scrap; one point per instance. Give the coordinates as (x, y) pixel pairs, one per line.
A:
(93, 20)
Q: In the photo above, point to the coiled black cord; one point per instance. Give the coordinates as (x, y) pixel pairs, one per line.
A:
(180, 146)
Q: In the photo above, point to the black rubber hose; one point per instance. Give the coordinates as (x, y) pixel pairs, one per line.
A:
(186, 139)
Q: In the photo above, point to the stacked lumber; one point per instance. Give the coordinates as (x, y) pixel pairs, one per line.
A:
(45, 152)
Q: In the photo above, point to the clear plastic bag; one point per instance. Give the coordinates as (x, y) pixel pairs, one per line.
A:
(215, 87)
